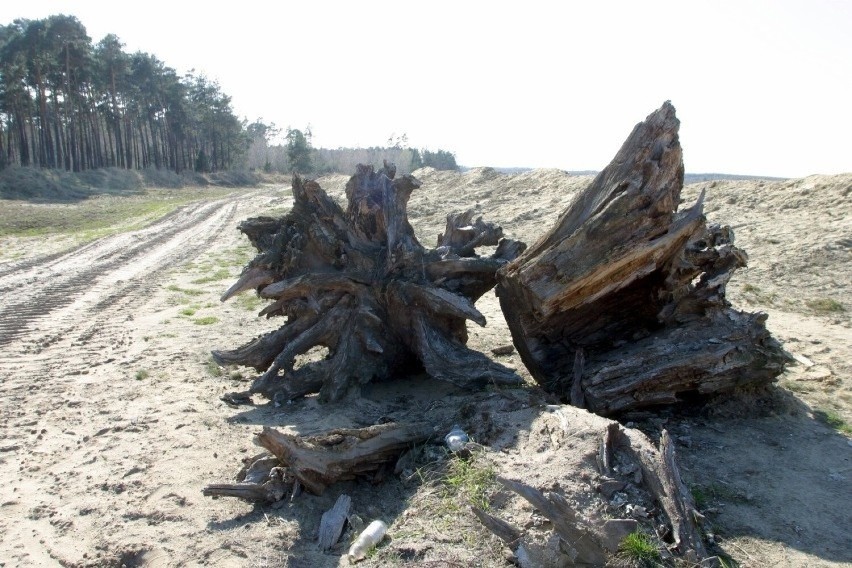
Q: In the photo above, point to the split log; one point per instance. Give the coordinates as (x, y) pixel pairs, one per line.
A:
(622, 303)
(359, 283)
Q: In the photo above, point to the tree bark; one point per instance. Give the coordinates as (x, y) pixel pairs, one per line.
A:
(622, 303)
(360, 283)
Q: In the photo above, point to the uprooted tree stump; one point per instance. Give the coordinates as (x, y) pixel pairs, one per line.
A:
(622, 303)
(359, 283)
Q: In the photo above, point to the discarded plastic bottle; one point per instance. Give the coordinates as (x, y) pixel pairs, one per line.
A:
(456, 439)
(372, 535)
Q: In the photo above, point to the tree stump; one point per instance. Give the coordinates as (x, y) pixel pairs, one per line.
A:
(359, 283)
(622, 303)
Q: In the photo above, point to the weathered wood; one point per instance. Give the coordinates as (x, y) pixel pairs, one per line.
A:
(333, 521)
(633, 292)
(261, 480)
(661, 476)
(340, 454)
(359, 283)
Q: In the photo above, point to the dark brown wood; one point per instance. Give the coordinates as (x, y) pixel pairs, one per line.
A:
(637, 288)
(360, 283)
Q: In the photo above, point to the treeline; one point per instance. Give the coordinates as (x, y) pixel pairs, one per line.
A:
(70, 104)
(298, 154)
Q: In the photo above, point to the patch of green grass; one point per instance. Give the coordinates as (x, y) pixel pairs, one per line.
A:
(825, 305)
(95, 217)
(471, 479)
(187, 291)
(213, 368)
(795, 386)
(700, 497)
(751, 288)
(188, 311)
(206, 320)
(833, 420)
(639, 549)
(704, 495)
(141, 374)
(220, 274)
(249, 302)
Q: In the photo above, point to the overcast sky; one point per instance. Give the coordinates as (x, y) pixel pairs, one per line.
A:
(760, 87)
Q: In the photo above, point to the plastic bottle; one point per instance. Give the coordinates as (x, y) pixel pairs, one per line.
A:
(456, 439)
(372, 535)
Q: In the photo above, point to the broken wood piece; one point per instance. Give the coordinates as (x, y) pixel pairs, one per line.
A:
(505, 531)
(333, 521)
(503, 350)
(341, 454)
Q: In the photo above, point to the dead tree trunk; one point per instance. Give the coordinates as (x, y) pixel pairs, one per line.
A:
(622, 303)
(359, 283)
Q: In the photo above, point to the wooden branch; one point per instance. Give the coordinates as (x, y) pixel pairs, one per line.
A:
(262, 480)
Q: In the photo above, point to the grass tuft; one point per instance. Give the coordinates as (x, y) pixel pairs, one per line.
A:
(833, 420)
(213, 368)
(639, 550)
(142, 374)
(825, 305)
(206, 320)
(471, 479)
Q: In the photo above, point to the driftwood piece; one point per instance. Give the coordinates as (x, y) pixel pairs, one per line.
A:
(340, 454)
(622, 303)
(358, 282)
(261, 480)
(333, 521)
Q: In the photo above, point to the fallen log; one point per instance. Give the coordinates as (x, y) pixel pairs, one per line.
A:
(622, 303)
(359, 283)
(315, 462)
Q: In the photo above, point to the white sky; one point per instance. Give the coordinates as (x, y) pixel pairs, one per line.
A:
(761, 87)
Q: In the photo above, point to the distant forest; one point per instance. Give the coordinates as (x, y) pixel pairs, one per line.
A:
(66, 103)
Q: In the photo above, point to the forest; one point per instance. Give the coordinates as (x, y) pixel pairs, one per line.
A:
(69, 104)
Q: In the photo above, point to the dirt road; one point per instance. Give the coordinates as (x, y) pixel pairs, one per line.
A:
(73, 382)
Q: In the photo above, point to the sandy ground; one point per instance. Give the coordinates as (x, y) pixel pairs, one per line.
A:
(112, 423)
